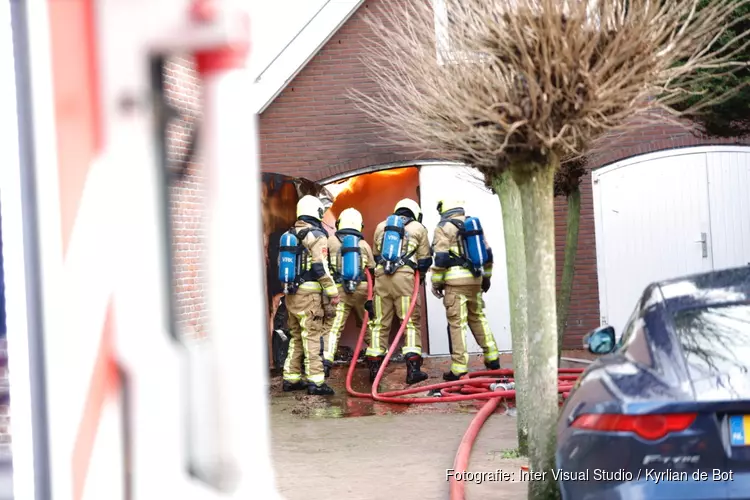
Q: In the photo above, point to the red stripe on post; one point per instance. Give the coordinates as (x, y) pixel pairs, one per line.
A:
(231, 56)
(78, 120)
(105, 382)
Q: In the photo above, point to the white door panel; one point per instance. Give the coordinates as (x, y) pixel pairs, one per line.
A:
(729, 195)
(652, 217)
(441, 181)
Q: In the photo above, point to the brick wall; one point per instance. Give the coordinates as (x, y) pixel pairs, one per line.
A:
(5, 431)
(183, 92)
(312, 129)
(583, 313)
(652, 135)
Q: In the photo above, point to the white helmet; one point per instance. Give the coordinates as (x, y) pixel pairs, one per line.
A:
(350, 219)
(411, 206)
(449, 204)
(310, 206)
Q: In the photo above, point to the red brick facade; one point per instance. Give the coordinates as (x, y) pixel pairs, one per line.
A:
(183, 92)
(313, 130)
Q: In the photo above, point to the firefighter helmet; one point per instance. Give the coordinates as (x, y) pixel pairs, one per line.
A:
(350, 219)
(310, 206)
(449, 204)
(410, 205)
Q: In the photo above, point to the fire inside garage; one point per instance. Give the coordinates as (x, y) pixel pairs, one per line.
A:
(374, 195)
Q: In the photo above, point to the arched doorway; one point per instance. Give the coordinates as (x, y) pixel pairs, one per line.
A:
(375, 190)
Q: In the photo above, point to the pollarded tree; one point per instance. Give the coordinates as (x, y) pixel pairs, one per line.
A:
(515, 262)
(568, 185)
(533, 81)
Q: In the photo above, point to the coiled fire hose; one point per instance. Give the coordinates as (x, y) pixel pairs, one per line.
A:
(476, 385)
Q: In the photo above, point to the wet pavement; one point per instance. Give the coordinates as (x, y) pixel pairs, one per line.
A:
(342, 405)
(402, 451)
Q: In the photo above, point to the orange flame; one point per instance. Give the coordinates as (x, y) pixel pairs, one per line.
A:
(374, 195)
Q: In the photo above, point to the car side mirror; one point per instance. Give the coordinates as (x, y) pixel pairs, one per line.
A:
(600, 341)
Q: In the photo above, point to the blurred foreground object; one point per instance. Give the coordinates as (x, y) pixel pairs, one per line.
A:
(110, 399)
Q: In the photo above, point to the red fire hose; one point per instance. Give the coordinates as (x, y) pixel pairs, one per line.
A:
(457, 488)
(471, 386)
(476, 387)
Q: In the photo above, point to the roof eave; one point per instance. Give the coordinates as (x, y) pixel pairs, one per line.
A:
(295, 56)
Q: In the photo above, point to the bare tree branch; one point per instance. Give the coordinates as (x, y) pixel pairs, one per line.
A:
(523, 78)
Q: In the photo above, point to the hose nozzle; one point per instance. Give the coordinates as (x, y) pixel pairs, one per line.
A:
(503, 387)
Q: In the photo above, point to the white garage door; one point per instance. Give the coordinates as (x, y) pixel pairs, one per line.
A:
(729, 199)
(665, 215)
(440, 181)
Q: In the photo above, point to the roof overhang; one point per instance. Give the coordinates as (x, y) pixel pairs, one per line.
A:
(300, 50)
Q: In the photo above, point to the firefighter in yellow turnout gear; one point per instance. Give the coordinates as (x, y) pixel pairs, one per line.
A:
(394, 284)
(305, 304)
(461, 291)
(353, 293)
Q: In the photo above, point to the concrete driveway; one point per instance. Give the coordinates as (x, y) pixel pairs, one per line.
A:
(359, 450)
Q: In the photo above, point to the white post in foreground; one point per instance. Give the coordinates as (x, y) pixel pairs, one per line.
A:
(235, 268)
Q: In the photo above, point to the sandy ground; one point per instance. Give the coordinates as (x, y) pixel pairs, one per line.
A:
(342, 447)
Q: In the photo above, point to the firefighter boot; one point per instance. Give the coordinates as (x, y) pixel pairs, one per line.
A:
(492, 365)
(327, 368)
(293, 386)
(452, 377)
(413, 372)
(373, 363)
(319, 390)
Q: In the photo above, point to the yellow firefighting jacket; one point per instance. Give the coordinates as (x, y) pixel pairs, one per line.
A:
(448, 268)
(314, 266)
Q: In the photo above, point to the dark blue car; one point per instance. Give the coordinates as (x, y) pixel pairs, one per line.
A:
(666, 413)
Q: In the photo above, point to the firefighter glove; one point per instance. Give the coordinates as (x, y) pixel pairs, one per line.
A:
(437, 291)
(485, 284)
(370, 310)
(330, 310)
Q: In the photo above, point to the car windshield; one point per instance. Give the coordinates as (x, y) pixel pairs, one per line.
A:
(716, 343)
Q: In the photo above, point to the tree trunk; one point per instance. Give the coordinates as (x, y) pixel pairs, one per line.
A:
(515, 258)
(569, 265)
(535, 185)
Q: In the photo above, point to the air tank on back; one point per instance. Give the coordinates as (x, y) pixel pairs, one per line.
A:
(351, 262)
(288, 261)
(393, 238)
(475, 247)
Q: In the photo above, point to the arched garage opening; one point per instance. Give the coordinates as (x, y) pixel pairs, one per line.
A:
(667, 214)
(374, 191)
